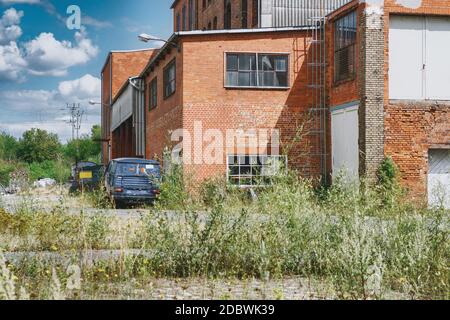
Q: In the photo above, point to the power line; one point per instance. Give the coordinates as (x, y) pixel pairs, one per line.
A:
(75, 120)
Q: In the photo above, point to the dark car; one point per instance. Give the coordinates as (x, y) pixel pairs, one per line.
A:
(86, 176)
(133, 181)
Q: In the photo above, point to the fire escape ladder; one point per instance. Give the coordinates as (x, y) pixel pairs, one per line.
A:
(318, 111)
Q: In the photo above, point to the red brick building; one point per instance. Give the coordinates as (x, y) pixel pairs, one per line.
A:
(399, 83)
(118, 68)
(334, 81)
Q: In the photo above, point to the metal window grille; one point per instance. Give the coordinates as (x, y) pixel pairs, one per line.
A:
(254, 170)
(345, 47)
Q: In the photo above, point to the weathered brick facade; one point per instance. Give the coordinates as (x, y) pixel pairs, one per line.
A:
(202, 97)
(405, 130)
(414, 127)
(208, 11)
(371, 77)
(118, 68)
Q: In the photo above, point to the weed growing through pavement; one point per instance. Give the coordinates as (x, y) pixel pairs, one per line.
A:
(354, 239)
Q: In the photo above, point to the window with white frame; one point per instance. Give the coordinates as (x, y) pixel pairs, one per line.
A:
(257, 70)
(254, 170)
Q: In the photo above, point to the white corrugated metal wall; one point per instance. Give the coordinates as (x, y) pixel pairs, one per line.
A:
(294, 13)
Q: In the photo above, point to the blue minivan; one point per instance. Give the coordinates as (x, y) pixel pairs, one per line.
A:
(133, 181)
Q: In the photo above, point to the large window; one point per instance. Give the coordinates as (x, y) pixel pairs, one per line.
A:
(345, 47)
(153, 93)
(256, 70)
(170, 79)
(254, 170)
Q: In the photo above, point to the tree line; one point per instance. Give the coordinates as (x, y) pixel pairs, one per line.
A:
(41, 154)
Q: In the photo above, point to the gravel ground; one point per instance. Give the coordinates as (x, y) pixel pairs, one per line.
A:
(204, 289)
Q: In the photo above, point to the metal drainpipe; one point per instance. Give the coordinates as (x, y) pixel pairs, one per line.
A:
(137, 104)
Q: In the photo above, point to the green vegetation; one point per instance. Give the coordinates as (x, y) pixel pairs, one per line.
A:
(347, 238)
(41, 154)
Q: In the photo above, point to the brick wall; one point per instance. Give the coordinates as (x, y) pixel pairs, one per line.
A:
(371, 77)
(206, 99)
(167, 116)
(119, 67)
(215, 8)
(405, 130)
(201, 96)
(413, 127)
(343, 91)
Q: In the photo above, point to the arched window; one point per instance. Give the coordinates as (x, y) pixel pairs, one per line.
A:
(215, 23)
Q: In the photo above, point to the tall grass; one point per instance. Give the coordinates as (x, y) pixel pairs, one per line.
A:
(354, 238)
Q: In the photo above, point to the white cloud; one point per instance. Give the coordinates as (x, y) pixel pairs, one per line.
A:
(90, 21)
(42, 56)
(10, 26)
(85, 87)
(47, 56)
(11, 62)
(61, 128)
(25, 109)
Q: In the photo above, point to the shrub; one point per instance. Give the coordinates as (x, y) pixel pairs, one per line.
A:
(55, 169)
(174, 194)
(6, 168)
(388, 186)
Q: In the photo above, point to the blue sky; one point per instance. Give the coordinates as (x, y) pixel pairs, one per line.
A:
(43, 64)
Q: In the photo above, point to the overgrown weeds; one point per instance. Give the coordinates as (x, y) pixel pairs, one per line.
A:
(350, 236)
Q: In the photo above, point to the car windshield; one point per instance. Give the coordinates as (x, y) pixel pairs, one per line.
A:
(138, 169)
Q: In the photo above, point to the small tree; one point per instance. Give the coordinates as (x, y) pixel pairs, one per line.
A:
(8, 147)
(85, 148)
(38, 145)
(388, 185)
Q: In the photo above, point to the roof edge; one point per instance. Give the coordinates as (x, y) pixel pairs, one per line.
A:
(176, 35)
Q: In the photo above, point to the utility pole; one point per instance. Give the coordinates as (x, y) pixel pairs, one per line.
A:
(76, 116)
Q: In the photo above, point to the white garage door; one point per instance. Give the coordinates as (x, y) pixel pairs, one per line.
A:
(439, 178)
(437, 64)
(406, 57)
(419, 67)
(345, 146)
